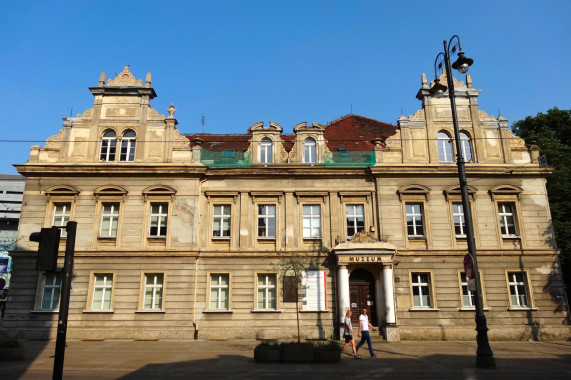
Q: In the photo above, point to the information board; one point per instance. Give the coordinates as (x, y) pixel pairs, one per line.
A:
(314, 291)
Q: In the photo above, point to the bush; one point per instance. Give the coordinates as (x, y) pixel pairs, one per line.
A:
(331, 345)
(13, 343)
(268, 345)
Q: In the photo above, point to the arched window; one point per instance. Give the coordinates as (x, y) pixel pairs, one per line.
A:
(108, 146)
(128, 146)
(309, 153)
(444, 145)
(466, 146)
(266, 151)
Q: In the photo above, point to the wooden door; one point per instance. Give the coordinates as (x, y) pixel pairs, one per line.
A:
(362, 295)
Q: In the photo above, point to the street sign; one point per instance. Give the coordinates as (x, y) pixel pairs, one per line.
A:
(469, 266)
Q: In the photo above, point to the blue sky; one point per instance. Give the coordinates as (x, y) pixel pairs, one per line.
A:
(240, 62)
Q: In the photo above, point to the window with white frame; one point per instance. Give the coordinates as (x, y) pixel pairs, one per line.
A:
(414, 220)
(158, 219)
(466, 146)
(309, 151)
(355, 215)
(266, 151)
(128, 141)
(444, 144)
(62, 211)
(311, 221)
(421, 290)
(467, 294)
(221, 221)
(153, 291)
(507, 219)
(267, 221)
(518, 289)
(102, 291)
(459, 221)
(219, 291)
(267, 298)
(50, 291)
(109, 219)
(108, 146)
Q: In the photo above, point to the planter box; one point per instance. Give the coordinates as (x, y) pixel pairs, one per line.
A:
(266, 356)
(296, 352)
(326, 356)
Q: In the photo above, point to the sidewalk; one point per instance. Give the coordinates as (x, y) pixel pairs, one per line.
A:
(233, 359)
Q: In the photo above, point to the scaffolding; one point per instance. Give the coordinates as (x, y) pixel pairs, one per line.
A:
(225, 159)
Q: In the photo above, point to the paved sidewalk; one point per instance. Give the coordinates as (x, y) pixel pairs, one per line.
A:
(233, 359)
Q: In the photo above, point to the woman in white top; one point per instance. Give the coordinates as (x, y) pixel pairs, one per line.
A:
(348, 334)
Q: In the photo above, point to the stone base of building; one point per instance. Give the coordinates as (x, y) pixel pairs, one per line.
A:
(391, 333)
(500, 333)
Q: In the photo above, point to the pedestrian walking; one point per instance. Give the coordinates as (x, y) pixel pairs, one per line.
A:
(364, 325)
(348, 334)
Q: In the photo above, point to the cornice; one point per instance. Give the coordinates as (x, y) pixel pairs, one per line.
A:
(105, 170)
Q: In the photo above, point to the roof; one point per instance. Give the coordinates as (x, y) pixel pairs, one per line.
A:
(352, 132)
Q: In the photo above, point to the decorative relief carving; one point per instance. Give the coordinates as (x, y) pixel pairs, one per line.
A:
(484, 116)
(515, 142)
(293, 153)
(125, 78)
(444, 80)
(363, 237)
(87, 114)
(55, 140)
(154, 115)
(418, 115)
(393, 141)
(283, 153)
(180, 141)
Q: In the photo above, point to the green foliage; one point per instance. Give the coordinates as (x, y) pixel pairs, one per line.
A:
(12, 343)
(330, 345)
(268, 345)
(552, 133)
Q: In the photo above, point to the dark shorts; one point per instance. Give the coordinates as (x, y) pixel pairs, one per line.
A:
(348, 338)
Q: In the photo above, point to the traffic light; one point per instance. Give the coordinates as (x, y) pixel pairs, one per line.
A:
(48, 248)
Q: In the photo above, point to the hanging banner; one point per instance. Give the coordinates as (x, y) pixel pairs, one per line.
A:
(314, 291)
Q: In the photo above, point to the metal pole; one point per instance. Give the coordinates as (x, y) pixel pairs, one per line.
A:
(64, 300)
(484, 354)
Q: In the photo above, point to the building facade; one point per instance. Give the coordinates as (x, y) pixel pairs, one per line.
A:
(182, 236)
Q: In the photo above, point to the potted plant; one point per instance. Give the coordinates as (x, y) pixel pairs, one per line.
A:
(327, 352)
(11, 350)
(267, 352)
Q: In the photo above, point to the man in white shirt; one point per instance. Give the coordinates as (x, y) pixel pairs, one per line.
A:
(364, 325)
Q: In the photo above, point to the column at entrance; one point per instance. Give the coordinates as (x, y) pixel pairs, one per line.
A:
(391, 329)
(343, 276)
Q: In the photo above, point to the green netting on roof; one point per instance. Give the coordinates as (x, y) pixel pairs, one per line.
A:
(350, 158)
(225, 159)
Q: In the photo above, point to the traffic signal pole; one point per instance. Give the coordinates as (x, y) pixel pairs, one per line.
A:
(64, 300)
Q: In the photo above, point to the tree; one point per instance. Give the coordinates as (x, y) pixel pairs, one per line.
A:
(291, 273)
(552, 133)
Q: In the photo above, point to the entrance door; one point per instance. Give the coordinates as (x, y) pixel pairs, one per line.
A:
(362, 295)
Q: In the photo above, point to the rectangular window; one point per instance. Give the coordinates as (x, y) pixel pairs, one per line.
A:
(311, 221)
(421, 290)
(459, 221)
(414, 220)
(61, 216)
(267, 292)
(221, 221)
(507, 219)
(267, 221)
(355, 219)
(158, 224)
(109, 220)
(219, 291)
(518, 289)
(51, 291)
(153, 298)
(467, 295)
(102, 289)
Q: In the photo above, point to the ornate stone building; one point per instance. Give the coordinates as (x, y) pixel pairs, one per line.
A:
(180, 236)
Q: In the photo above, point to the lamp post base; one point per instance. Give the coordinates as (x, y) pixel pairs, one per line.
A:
(484, 354)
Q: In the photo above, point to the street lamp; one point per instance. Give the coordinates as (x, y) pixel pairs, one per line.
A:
(484, 354)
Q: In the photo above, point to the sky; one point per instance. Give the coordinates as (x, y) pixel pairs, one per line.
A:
(240, 62)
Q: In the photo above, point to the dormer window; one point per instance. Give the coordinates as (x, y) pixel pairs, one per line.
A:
(128, 146)
(108, 146)
(466, 147)
(444, 144)
(266, 151)
(309, 153)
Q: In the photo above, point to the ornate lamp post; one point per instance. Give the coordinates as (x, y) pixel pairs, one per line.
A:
(484, 354)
